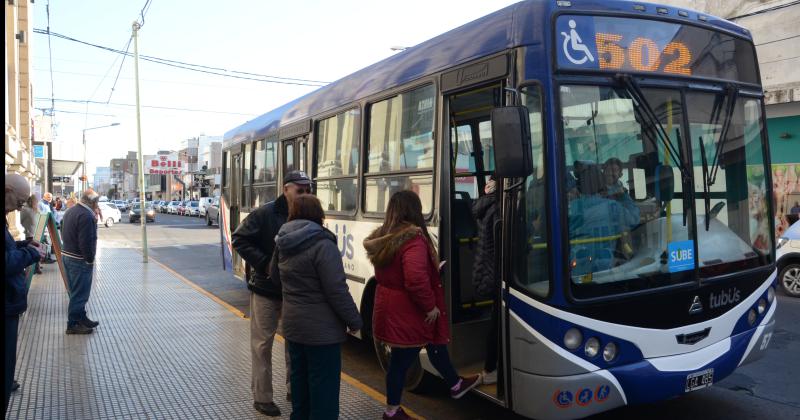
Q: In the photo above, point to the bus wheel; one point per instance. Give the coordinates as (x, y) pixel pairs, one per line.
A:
(417, 379)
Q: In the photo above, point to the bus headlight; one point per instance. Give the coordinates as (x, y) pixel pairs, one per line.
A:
(610, 352)
(592, 347)
(573, 338)
(762, 306)
(751, 317)
(770, 294)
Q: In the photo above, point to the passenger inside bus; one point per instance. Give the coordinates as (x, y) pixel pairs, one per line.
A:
(612, 172)
(596, 223)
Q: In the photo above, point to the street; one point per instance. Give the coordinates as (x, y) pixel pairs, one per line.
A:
(768, 388)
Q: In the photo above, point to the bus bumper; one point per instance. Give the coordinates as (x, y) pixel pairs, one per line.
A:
(650, 380)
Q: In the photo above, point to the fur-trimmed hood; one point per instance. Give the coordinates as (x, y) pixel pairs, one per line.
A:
(382, 249)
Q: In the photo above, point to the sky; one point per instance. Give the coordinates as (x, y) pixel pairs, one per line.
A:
(301, 39)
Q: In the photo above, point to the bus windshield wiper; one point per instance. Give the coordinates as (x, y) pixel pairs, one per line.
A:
(706, 185)
(732, 95)
(649, 115)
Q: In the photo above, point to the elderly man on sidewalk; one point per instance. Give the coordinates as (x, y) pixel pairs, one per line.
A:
(19, 255)
(79, 233)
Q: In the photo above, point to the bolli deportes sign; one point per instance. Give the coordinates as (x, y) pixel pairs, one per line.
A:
(164, 165)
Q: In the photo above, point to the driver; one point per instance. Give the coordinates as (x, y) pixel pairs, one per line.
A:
(614, 190)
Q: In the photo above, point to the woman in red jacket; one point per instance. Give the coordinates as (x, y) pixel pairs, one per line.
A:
(409, 300)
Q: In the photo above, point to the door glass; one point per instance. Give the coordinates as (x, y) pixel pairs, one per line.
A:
(530, 251)
(303, 157)
(288, 157)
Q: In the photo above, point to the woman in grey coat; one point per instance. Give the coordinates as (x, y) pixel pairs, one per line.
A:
(317, 308)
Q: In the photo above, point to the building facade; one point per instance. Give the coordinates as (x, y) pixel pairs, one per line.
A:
(19, 157)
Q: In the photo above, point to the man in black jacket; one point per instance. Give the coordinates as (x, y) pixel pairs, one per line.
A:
(254, 240)
(18, 256)
(79, 234)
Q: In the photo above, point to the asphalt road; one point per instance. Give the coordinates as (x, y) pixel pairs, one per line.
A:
(767, 389)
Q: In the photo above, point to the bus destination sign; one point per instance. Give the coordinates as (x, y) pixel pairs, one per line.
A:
(647, 46)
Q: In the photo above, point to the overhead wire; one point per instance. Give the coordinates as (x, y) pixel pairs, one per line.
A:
(83, 101)
(50, 55)
(197, 67)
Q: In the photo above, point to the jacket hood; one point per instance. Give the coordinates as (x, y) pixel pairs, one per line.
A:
(298, 235)
(382, 249)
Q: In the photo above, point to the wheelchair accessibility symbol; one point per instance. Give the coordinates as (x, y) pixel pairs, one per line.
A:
(573, 41)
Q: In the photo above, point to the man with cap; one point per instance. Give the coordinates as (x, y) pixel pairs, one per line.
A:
(254, 240)
(79, 234)
(19, 255)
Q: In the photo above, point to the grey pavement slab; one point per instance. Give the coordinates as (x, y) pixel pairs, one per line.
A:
(162, 350)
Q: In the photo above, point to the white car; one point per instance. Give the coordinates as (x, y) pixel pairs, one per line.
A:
(191, 209)
(788, 259)
(204, 203)
(172, 207)
(109, 214)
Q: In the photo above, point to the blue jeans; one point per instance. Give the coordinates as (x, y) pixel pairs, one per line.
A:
(79, 281)
(402, 358)
(315, 381)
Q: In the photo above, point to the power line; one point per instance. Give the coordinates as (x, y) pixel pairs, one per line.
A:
(74, 112)
(769, 9)
(778, 40)
(82, 101)
(198, 67)
(127, 47)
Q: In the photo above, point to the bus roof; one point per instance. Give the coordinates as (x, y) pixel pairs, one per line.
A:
(506, 28)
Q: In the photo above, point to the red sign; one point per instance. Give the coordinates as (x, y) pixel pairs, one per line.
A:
(164, 165)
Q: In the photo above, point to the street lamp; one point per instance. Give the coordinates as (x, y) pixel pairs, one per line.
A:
(84, 179)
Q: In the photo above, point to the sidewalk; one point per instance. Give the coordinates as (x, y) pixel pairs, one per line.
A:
(162, 350)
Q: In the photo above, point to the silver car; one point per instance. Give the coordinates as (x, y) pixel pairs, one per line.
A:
(788, 259)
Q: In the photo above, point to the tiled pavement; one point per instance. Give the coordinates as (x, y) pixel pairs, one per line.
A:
(162, 350)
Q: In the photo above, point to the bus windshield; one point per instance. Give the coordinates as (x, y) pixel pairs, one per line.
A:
(630, 211)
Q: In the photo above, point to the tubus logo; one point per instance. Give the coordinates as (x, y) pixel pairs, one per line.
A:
(562, 399)
(725, 297)
(345, 241)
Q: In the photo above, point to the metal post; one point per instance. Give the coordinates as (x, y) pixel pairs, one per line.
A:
(142, 207)
(83, 181)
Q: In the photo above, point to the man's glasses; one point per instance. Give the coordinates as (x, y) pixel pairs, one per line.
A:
(303, 190)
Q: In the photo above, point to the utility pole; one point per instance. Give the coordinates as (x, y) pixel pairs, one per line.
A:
(142, 206)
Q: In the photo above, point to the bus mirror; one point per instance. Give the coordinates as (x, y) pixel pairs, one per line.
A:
(665, 183)
(511, 136)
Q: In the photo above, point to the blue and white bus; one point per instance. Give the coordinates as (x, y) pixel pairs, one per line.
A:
(636, 255)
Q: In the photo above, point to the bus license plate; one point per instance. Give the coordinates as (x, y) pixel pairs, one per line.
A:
(699, 380)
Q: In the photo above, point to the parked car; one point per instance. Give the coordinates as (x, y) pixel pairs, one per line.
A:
(204, 203)
(172, 207)
(122, 205)
(192, 209)
(134, 215)
(212, 213)
(788, 259)
(162, 206)
(109, 214)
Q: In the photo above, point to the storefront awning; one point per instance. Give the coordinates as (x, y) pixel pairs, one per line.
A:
(66, 167)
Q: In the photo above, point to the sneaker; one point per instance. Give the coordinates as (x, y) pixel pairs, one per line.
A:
(269, 409)
(466, 384)
(489, 377)
(89, 323)
(79, 329)
(398, 415)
